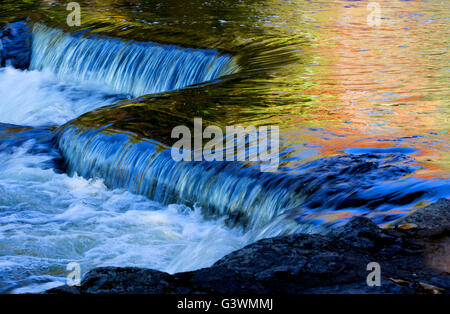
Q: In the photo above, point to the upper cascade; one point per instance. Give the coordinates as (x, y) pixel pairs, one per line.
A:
(135, 68)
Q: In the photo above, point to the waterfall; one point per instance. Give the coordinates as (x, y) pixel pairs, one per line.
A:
(232, 189)
(310, 198)
(277, 202)
(134, 68)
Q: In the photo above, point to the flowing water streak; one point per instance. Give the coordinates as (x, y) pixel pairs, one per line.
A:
(308, 199)
(232, 189)
(48, 219)
(134, 68)
(364, 78)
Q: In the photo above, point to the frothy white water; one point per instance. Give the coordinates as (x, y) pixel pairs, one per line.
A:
(36, 98)
(48, 220)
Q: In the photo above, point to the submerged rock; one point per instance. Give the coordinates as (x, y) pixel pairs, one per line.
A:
(335, 262)
(15, 45)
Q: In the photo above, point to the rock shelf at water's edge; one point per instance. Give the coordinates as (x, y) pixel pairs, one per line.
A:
(414, 258)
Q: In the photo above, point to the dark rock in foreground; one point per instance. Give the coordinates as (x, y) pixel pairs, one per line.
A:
(411, 262)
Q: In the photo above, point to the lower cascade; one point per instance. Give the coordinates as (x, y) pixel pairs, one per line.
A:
(222, 188)
(266, 203)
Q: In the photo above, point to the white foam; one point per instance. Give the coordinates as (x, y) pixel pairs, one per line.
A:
(48, 220)
(36, 98)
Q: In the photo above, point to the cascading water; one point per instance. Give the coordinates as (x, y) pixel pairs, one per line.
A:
(221, 188)
(70, 75)
(265, 203)
(94, 193)
(48, 219)
(126, 68)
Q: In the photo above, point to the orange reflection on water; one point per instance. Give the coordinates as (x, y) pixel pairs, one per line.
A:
(385, 83)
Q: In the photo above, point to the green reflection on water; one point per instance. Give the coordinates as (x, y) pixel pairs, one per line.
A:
(315, 68)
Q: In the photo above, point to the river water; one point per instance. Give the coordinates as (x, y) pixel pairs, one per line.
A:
(86, 174)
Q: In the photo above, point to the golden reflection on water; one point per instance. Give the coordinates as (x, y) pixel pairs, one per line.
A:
(380, 86)
(315, 68)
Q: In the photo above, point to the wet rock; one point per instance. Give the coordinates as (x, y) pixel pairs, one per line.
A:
(335, 262)
(15, 45)
(431, 221)
(363, 233)
(121, 280)
(432, 229)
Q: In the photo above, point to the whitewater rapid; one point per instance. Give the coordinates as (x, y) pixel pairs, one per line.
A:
(48, 219)
(100, 197)
(35, 98)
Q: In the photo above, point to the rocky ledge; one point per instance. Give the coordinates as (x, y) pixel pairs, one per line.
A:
(413, 256)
